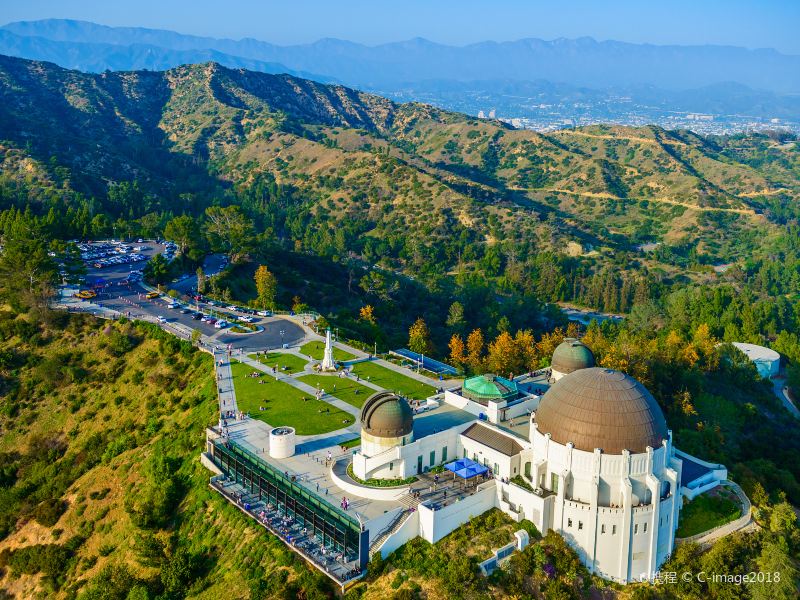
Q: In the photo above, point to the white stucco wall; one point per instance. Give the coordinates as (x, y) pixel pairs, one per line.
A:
(407, 532)
(501, 465)
(435, 524)
(618, 512)
(404, 459)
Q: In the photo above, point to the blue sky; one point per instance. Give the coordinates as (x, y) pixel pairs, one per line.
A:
(749, 23)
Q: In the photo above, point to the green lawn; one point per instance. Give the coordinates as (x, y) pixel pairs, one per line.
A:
(294, 363)
(393, 381)
(346, 388)
(316, 350)
(708, 510)
(284, 404)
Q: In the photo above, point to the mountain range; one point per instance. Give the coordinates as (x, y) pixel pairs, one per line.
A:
(701, 77)
(348, 159)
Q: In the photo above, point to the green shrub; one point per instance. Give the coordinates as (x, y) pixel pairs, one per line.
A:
(380, 482)
(48, 513)
(48, 559)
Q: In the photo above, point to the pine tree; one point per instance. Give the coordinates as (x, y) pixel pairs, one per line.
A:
(455, 317)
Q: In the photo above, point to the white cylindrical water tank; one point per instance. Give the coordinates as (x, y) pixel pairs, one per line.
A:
(281, 442)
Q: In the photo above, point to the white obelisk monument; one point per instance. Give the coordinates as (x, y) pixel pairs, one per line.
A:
(328, 363)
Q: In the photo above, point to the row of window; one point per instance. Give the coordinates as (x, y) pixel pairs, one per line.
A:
(613, 527)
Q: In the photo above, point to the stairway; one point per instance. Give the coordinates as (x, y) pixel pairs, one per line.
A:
(390, 529)
(409, 501)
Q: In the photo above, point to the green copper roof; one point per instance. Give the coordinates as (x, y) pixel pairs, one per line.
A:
(489, 387)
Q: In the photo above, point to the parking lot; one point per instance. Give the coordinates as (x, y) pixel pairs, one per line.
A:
(119, 288)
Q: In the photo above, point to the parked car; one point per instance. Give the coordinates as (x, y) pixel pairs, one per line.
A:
(151, 295)
(173, 305)
(220, 324)
(264, 313)
(161, 319)
(197, 316)
(185, 311)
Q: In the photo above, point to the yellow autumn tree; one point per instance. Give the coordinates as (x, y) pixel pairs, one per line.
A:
(502, 357)
(689, 355)
(266, 287)
(458, 351)
(683, 400)
(419, 337)
(547, 344)
(615, 358)
(367, 313)
(673, 346)
(525, 347)
(475, 350)
(595, 339)
(706, 345)
(573, 329)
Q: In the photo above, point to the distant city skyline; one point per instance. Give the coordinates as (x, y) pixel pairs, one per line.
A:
(747, 23)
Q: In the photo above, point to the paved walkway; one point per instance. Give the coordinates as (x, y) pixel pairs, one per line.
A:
(225, 389)
(745, 522)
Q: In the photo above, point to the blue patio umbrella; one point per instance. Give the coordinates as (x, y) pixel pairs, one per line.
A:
(466, 468)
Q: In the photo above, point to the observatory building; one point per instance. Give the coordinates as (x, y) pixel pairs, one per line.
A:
(578, 449)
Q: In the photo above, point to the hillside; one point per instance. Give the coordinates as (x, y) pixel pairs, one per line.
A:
(209, 132)
(100, 483)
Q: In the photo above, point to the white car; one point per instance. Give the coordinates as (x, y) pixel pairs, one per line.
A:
(173, 305)
(161, 319)
(264, 313)
(220, 324)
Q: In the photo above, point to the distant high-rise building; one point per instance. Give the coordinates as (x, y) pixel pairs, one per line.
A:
(492, 114)
(481, 114)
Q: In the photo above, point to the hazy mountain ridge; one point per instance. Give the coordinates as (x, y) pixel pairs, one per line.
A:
(97, 57)
(582, 61)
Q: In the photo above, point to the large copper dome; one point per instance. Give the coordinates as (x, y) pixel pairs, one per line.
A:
(601, 408)
(571, 355)
(385, 414)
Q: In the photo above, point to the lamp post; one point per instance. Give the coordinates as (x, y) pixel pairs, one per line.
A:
(283, 332)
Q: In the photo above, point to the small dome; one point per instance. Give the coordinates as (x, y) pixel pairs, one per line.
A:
(489, 387)
(385, 414)
(571, 355)
(601, 408)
